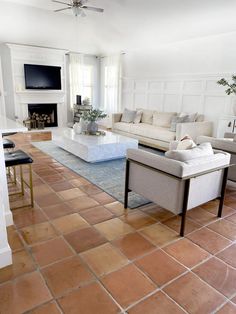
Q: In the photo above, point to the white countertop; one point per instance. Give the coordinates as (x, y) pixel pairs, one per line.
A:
(8, 126)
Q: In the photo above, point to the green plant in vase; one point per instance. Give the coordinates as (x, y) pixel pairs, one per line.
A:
(231, 88)
(92, 116)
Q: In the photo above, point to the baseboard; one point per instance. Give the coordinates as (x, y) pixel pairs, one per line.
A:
(5, 257)
(8, 218)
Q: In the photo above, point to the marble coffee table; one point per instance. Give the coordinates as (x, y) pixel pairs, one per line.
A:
(93, 148)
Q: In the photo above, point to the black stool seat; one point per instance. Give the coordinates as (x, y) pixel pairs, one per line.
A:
(8, 134)
(8, 143)
(18, 157)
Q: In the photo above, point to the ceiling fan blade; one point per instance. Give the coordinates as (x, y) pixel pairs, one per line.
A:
(62, 2)
(93, 9)
(62, 9)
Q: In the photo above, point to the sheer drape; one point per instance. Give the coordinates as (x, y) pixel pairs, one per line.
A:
(110, 83)
(76, 62)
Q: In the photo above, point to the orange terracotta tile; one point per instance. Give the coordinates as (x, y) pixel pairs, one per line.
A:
(157, 303)
(103, 198)
(209, 240)
(194, 295)
(201, 216)
(228, 308)
(158, 213)
(229, 255)
(186, 252)
(225, 228)
(85, 239)
(58, 210)
(113, 228)
(128, 285)
(90, 189)
(133, 245)
(26, 217)
(49, 308)
(22, 263)
(24, 294)
(218, 275)
(14, 239)
(226, 210)
(96, 215)
(159, 234)
(160, 267)
(78, 181)
(89, 300)
(116, 208)
(37, 233)
(69, 223)
(70, 194)
(232, 218)
(54, 178)
(104, 259)
(48, 200)
(61, 186)
(51, 251)
(138, 220)
(65, 275)
(82, 203)
(175, 223)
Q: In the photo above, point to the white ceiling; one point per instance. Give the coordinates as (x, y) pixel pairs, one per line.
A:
(124, 26)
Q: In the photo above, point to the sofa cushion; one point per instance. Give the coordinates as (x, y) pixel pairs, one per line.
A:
(128, 116)
(189, 117)
(175, 120)
(163, 119)
(203, 150)
(138, 116)
(147, 116)
(153, 132)
(122, 126)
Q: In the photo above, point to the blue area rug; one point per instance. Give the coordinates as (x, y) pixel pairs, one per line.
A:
(108, 175)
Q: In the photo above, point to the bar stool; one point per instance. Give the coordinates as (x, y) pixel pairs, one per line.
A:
(20, 158)
(8, 144)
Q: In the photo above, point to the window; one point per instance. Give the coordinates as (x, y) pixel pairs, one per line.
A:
(88, 79)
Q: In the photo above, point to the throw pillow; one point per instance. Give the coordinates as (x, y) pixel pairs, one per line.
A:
(192, 117)
(175, 120)
(185, 144)
(163, 119)
(138, 117)
(147, 116)
(128, 116)
(203, 150)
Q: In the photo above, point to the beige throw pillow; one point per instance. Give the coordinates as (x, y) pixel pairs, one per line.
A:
(138, 117)
(163, 119)
(147, 115)
(128, 116)
(203, 150)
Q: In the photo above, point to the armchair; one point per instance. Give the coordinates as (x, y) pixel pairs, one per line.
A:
(226, 144)
(174, 185)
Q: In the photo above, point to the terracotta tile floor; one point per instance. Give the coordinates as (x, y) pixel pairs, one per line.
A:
(78, 251)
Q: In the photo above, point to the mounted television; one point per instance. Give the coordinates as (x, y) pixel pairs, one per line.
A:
(42, 77)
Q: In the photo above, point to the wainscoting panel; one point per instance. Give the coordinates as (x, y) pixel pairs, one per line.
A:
(182, 93)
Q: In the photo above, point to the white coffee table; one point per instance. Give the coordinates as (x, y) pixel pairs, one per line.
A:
(94, 148)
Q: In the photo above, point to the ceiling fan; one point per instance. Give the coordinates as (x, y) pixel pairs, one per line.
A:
(77, 7)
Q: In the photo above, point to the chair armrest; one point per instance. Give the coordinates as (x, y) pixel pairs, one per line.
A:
(194, 129)
(229, 135)
(224, 144)
(116, 117)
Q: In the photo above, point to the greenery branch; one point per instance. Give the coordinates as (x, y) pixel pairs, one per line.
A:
(232, 86)
(93, 115)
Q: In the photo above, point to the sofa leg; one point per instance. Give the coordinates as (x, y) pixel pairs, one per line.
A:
(222, 196)
(185, 206)
(126, 184)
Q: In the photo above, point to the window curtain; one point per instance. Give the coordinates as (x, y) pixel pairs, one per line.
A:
(111, 68)
(76, 62)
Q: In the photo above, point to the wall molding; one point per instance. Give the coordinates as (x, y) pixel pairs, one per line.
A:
(180, 93)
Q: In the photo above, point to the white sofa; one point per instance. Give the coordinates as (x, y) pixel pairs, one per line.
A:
(176, 185)
(154, 133)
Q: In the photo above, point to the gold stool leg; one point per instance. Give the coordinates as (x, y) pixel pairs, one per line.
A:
(14, 174)
(22, 181)
(31, 186)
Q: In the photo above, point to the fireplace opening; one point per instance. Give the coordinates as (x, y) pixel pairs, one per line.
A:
(45, 113)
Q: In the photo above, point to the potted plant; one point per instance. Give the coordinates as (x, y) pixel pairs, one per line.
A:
(231, 88)
(92, 116)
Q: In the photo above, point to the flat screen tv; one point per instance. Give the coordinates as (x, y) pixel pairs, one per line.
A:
(42, 77)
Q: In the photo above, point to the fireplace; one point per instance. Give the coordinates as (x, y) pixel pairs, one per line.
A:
(46, 113)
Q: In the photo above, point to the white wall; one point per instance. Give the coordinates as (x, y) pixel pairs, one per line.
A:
(182, 77)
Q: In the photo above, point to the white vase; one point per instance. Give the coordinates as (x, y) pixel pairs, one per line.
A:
(77, 128)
